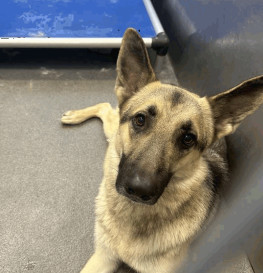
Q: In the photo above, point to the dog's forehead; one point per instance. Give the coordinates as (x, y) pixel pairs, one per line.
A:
(174, 109)
(165, 97)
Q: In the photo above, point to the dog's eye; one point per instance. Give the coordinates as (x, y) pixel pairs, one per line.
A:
(188, 140)
(139, 120)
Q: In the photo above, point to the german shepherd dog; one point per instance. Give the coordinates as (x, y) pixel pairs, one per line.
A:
(164, 166)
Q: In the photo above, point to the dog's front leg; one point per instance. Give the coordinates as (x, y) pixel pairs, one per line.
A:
(104, 111)
(101, 262)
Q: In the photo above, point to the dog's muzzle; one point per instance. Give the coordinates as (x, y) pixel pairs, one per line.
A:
(140, 185)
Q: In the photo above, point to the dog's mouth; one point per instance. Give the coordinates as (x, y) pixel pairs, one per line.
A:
(143, 199)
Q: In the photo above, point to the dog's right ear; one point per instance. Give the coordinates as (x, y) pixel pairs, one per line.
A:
(134, 69)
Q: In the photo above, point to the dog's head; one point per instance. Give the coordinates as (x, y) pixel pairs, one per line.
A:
(164, 129)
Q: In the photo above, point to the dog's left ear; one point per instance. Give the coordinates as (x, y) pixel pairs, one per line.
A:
(134, 69)
(231, 107)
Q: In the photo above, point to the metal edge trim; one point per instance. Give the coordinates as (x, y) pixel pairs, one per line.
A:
(46, 42)
(158, 28)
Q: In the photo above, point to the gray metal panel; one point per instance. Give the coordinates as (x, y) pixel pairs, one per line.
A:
(216, 45)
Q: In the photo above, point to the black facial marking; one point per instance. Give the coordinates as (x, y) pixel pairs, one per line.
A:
(177, 98)
(152, 110)
(187, 126)
(124, 118)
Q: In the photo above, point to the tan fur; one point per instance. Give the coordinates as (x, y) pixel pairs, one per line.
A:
(154, 238)
(113, 215)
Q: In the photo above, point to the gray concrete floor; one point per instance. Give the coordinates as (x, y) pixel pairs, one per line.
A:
(49, 173)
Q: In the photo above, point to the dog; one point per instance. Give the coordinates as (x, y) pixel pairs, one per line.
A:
(165, 165)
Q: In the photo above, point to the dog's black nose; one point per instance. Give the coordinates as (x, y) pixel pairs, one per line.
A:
(143, 185)
(141, 189)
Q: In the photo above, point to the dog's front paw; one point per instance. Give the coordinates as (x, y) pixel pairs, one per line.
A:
(73, 117)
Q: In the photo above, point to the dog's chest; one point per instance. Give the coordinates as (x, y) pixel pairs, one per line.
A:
(137, 239)
(136, 231)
